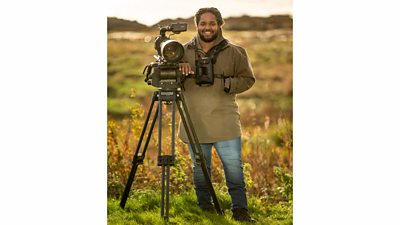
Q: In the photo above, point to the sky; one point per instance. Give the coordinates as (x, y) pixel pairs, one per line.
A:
(156, 10)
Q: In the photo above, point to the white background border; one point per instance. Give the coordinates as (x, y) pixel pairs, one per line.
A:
(53, 112)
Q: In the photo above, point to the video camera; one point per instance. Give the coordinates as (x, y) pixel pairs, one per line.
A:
(164, 73)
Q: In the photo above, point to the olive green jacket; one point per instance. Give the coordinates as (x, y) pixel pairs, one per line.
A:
(213, 110)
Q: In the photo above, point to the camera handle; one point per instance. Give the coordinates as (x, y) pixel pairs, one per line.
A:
(166, 161)
(147, 71)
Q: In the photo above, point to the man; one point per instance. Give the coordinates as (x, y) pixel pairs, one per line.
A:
(213, 108)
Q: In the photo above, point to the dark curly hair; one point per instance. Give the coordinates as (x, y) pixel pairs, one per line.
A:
(212, 10)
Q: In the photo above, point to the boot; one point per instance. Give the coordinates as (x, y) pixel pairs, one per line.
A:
(241, 214)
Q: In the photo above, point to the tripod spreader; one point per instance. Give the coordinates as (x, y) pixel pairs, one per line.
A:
(165, 160)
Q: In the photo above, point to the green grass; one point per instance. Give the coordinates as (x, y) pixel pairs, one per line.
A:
(143, 208)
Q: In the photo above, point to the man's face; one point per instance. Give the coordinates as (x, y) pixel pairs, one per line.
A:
(208, 27)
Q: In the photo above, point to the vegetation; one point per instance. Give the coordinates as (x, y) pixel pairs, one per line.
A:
(271, 57)
(144, 209)
(266, 117)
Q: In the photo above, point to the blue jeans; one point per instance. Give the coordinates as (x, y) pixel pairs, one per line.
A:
(230, 153)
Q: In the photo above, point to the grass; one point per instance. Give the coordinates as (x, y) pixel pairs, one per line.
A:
(263, 149)
(144, 208)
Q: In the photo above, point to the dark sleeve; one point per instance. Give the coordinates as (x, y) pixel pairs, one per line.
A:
(243, 77)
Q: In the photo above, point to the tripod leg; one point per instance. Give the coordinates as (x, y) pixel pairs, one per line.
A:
(162, 190)
(160, 157)
(165, 161)
(136, 158)
(172, 158)
(194, 143)
(167, 193)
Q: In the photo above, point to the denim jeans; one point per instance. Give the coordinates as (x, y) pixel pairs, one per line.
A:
(230, 153)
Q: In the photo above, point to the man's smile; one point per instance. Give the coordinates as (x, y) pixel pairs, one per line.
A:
(208, 32)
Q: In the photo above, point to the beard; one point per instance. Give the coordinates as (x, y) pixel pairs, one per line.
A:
(208, 38)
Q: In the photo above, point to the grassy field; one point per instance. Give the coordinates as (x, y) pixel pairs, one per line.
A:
(144, 209)
(266, 117)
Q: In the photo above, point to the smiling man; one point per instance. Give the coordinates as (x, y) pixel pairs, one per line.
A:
(222, 71)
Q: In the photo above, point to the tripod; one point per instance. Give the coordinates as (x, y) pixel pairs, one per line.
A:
(175, 97)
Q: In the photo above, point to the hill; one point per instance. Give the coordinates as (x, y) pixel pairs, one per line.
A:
(231, 23)
(259, 23)
(116, 24)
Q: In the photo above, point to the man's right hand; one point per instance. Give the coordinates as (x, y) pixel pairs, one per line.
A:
(185, 68)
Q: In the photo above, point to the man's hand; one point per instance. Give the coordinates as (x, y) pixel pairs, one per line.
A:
(185, 68)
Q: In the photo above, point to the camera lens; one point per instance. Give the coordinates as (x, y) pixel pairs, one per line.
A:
(172, 51)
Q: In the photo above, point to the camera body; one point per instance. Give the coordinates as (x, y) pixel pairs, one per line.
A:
(204, 71)
(164, 73)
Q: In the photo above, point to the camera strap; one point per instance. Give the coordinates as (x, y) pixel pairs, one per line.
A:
(213, 52)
